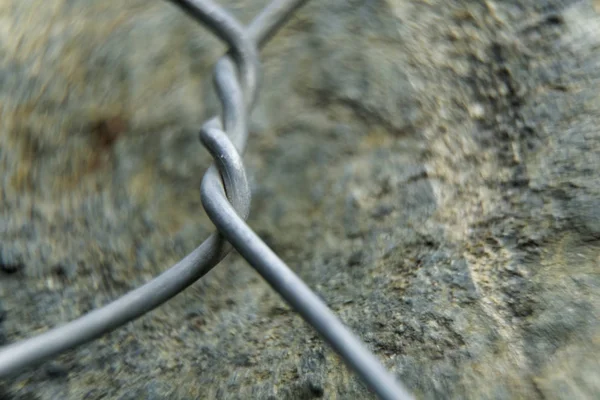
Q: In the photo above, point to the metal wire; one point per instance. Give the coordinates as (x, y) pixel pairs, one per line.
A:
(289, 285)
(226, 198)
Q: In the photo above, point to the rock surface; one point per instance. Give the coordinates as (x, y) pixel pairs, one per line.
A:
(432, 169)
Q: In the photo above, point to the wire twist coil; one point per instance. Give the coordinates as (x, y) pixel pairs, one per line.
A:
(226, 198)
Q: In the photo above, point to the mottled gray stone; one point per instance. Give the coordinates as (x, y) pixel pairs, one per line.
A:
(429, 168)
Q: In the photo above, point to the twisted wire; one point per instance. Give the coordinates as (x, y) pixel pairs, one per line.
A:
(29, 352)
(226, 198)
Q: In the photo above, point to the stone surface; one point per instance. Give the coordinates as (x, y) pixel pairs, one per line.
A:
(430, 168)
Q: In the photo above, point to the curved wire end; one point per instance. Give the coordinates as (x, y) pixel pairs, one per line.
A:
(231, 168)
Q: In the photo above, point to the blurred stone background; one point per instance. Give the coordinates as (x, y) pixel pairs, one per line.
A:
(431, 168)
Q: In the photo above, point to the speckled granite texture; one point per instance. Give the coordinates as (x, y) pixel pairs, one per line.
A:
(431, 168)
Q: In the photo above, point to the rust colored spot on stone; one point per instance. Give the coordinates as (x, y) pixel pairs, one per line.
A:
(107, 131)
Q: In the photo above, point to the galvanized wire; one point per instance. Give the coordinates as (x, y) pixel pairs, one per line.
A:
(226, 198)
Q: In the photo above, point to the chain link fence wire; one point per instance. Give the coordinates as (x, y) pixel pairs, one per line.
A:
(226, 198)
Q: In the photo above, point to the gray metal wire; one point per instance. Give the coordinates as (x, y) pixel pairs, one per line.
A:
(226, 198)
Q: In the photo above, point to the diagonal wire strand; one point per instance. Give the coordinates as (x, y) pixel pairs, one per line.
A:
(283, 280)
